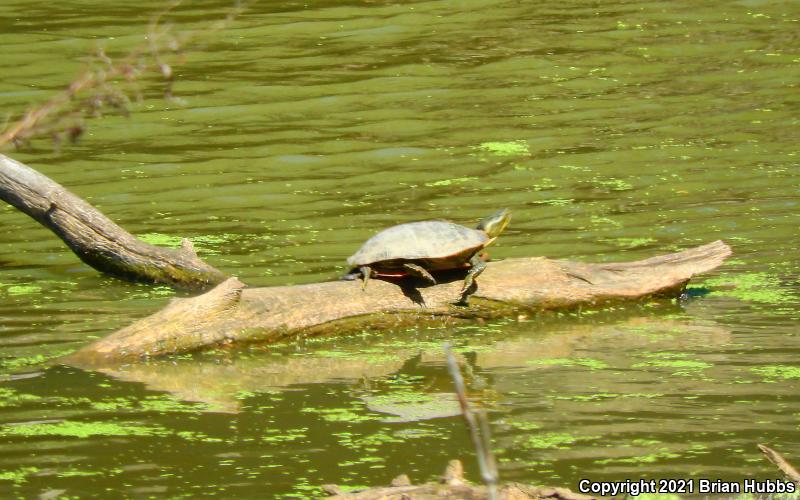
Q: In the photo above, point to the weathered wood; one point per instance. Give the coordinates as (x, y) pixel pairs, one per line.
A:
(783, 464)
(232, 313)
(452, 485)
(97, 240)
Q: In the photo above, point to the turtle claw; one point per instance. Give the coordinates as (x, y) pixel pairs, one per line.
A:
(419, 272)
(366, 274)
(477, 267)
(464, 295)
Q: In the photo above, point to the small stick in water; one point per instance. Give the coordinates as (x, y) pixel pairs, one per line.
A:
(478, 428)
(777, 459)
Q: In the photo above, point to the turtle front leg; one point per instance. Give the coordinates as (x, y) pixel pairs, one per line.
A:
(419, 272)
(478, 265)
(366, 274)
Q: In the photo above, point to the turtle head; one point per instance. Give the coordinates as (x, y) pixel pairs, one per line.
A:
(495, 223)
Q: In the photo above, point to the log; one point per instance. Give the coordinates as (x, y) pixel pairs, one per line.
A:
(232, 313)
(451, 485)
(218, 379)
(783, 464)
(95, 239)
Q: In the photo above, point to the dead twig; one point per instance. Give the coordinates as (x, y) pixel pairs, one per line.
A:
(108, 85)
(478, 427)
(777, 459)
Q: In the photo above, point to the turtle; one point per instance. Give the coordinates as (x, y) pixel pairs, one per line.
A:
(417, 248)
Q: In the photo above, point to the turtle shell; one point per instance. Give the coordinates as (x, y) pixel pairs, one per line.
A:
(436, 244)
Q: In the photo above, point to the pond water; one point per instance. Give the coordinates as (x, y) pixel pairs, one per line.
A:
(614, 131)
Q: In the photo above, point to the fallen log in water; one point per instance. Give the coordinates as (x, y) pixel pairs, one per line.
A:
(232, 313)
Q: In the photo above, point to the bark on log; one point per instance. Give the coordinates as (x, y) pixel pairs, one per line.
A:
(452, 485)
(783, 464)
(97, 240)
(232, 313)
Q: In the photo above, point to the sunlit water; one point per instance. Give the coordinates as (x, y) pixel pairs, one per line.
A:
(614, 131)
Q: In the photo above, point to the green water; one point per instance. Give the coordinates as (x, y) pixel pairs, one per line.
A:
(614, 131)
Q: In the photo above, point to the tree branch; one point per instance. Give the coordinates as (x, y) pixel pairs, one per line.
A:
(97, 240)
(777, 459)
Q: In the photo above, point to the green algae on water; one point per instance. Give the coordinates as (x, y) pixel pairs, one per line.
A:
(775, 373)
(370, 442)
(79, 473)
(198, 437)
(23, 289)
(362, 460)
(449, 182)
(18, 476)
(12, 398)
(630, 242)
(411, 406)
(606, 396)
(373, 356)
(284, 435)
(346, 488)
(162, 240)
(207, 243)
(555, 202)
(592, 364)
(673, 360)
(523, 426)
(661, 454)
(752, 287)
(160, 404)
(552, 440)
(680, 367)
(611, 183)
(419, 433)
(27, 361)
(509, 148)
(69, 428)
(339, 414)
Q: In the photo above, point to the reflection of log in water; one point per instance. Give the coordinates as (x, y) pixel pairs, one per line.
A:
(216, 383)
(651, 333)
(232, 313)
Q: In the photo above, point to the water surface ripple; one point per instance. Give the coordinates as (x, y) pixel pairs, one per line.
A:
(614, 131)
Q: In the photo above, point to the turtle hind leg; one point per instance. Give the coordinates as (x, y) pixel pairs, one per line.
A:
(478, 265)
(366, 274)
(419, 272)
